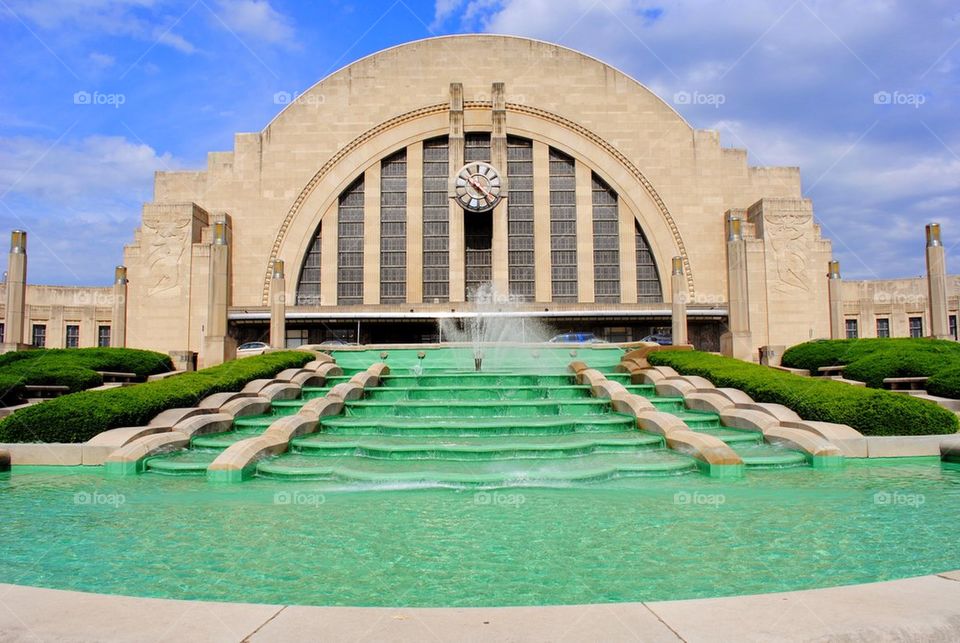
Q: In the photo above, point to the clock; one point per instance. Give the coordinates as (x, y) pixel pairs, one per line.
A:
(478, 187)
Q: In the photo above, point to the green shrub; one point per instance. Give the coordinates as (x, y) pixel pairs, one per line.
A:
(873, 369)
(873, 360)
(870, 411)
(945, 383)
(75, 368)
(80, 416)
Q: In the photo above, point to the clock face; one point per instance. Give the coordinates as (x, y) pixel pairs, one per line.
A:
(478, 186)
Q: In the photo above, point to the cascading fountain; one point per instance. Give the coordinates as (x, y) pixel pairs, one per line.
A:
(496, 325)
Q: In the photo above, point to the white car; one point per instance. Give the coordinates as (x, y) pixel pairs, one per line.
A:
(252, 348)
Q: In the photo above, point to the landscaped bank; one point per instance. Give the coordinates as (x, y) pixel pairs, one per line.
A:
(80, 416)
(873, 360)
(870, 411)
(75, 368)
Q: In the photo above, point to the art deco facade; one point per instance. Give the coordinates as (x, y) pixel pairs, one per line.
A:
(378, 200)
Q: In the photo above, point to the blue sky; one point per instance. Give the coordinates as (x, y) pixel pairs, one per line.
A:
(97, 95)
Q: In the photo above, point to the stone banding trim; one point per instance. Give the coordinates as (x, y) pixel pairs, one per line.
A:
(238, 461)
(439, 108)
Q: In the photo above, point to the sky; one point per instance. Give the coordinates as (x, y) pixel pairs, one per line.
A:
(97, 95)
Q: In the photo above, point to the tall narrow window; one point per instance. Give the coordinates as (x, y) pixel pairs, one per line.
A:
(393, 229)
(952, 320)
(477, 226)
(73, 336)
(436, 221)
(563, 227)
(916, 326)
(648, 280)
(350, 245)
(103, 336)
(520, 218)
(606, 243)
(883, 327)
(308, 288)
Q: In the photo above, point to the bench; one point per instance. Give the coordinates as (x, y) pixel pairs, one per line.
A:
(831, 370)
(116, 376)
(905, 383)
(45, 390)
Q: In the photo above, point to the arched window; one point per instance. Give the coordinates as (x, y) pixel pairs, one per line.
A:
(350, 245)
(393, 228)
(520, 261)
(308, 287)
(648, 281)
(563, 227)
(606, 243)
(436, 221)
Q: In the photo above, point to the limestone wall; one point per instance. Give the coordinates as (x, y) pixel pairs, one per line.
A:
(56, 307)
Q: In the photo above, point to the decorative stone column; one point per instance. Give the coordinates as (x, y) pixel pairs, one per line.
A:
(278, 307)
(835, 293)
(118, 323)
(937, 283)
(455, 152)
(16, 292)
(737, 341)
(498, 157)
(678, 288)
(217, 346)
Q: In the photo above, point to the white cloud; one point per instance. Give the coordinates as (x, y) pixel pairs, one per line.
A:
(97, 167)
(166, 37)
(258, 20)
(79, 201)
(798, 79)
(101, 61)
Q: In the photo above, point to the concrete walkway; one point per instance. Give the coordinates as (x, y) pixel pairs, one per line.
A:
(926, 608)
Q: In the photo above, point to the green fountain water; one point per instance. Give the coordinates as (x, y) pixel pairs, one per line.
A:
(435, 420)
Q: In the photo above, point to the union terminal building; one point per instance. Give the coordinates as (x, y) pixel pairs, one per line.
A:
(377, 201)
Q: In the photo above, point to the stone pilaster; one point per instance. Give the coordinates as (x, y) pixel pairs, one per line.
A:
(217, 346)
(543, 285)
(16, 291)
(835, 289)
(678, 303)
(415, 223)
(498, 157)
(118, 316)
(937, 283)
(455, 142)
(278, 307)
(737, 340)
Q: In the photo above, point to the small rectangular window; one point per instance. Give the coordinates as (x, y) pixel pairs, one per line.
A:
(883, 327)
(3, 333)
(916, 327)
(103, 336)
(851, 328)
(39, 335)
(73, 336)
(953, 327)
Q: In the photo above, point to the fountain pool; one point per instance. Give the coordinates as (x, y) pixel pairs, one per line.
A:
(631, 539)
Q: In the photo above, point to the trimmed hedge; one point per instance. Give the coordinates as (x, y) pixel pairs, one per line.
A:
(870, 411)
(873, 360)
(80, 416)
(75, 368)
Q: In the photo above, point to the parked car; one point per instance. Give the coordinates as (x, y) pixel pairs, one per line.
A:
(576, 338)
(664, 339)
(249, 349)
